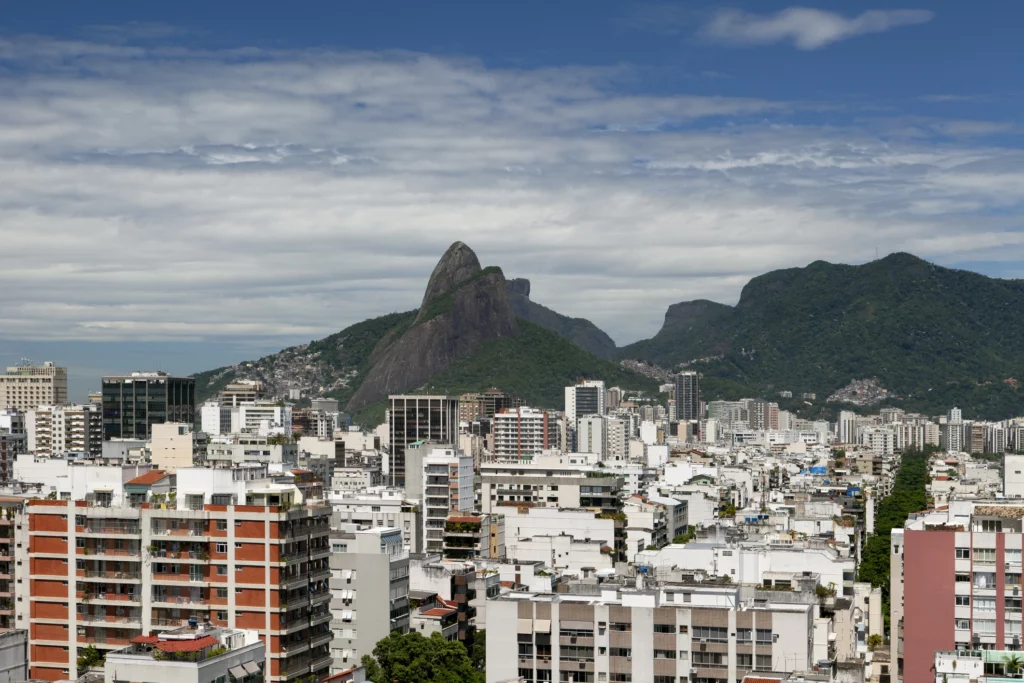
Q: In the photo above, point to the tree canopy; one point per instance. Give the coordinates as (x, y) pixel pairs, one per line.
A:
(411, 658)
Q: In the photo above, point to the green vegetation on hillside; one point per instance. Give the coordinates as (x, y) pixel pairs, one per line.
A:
(537, 365)
(937, 337)
(344, 352)
(908, 495)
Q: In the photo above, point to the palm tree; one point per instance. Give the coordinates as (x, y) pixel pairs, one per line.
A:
(1013, 664)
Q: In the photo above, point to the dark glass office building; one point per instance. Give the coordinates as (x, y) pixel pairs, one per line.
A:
(133, 403)
(419, 418)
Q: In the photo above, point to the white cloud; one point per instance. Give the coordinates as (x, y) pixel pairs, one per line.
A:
(177, 194)
(804, 27)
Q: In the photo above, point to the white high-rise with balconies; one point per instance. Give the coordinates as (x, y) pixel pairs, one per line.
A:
(523, 433)
(441, 478)
(28, 386)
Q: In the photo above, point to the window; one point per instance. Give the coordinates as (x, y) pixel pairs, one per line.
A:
(222, 593)
(684, 629)
(984, 579)
(712, 633)
(963, 578)
(984, 556)
(620, 678)
(1011, 555)
(991, 525)
(963, 553)
(744, 661)
(744, 635)
(709, 658)
(664, 628)
(620, 652)
(1013, 628)
(963, 600)
(764, 635)
(222, 525)
(763, 663)
(1013, 604)
(1012, 578)
(222, 570)
(984, 604)
(620, 626)
(962, 624)
(664, 679)
(238, 591)
(222, 548)
(664, 654)
(985, 626)
(237, 545)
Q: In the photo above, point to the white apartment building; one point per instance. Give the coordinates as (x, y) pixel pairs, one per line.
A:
(265, 418)
(54, 430)
(171, 446)
(592, 435)
(29, 386)
(557, 481)
(215, 418)
(378, 507)
(523, 433)
(235, 449)
(441, 478)
(880, 440)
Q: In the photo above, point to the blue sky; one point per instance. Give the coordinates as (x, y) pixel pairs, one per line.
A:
(204, 182)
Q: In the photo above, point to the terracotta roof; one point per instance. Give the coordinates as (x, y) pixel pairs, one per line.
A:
(145, 640)
(507, 584)
(469, 520)
(186, 645)
(151, 477)
(437, 612)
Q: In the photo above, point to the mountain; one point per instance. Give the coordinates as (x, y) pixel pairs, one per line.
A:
(935, 336)
(580, 331)
(463, 307)
(466, 336)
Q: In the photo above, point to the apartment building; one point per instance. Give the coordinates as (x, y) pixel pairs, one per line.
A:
(11, 445)
(688, 396)
(668, 634)
(440, 477)
(102, 576)
(452, 581)
(54, 430)
(9, 509)
(242, 391)
(418, 418)
(486, 405)
(192, 654)
(370, 591)
(27, 386)
(472, 537)
(955, 583)
(133, 403)
(523, 433)
(379, 507)
(558, 481)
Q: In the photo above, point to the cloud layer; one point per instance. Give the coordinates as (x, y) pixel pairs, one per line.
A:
(804, 27)
(184, 194)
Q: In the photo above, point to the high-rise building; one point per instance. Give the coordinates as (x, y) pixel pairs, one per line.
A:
(592, 435)
(485, 405)
(133, 403)
(370, 591)
(441, 478)
(56, 430)
(846, 427)
(418, 418)
(522, 433)
(583, 399)
(764, 415)
(955, 584)
(688, 396)
(117, 573)
(27, 386)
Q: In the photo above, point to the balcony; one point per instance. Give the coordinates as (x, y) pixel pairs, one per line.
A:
(104, 575)
(107, 529)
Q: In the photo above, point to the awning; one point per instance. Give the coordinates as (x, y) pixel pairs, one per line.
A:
(237, 672)
(252, 667)
(525, 626)
(542, 626)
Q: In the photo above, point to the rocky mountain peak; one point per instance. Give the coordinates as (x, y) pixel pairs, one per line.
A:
(520, 286)
(457, 265)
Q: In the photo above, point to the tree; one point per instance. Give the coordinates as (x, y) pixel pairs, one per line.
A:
(89, 657)
(874, 641)
(411, 658)
(478, 654)
(1013, 664)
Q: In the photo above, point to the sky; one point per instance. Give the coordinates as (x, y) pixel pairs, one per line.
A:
(185, 185)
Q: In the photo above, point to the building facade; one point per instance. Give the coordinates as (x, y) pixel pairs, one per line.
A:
(101, 576)
(523, 433)
(418, 418)
(370, 591)
(27, 386)
(688, 396)
(441, 478)
(57, 430)
(133, 403)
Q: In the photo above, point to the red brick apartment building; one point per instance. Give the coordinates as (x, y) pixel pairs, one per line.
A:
(101, 576)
